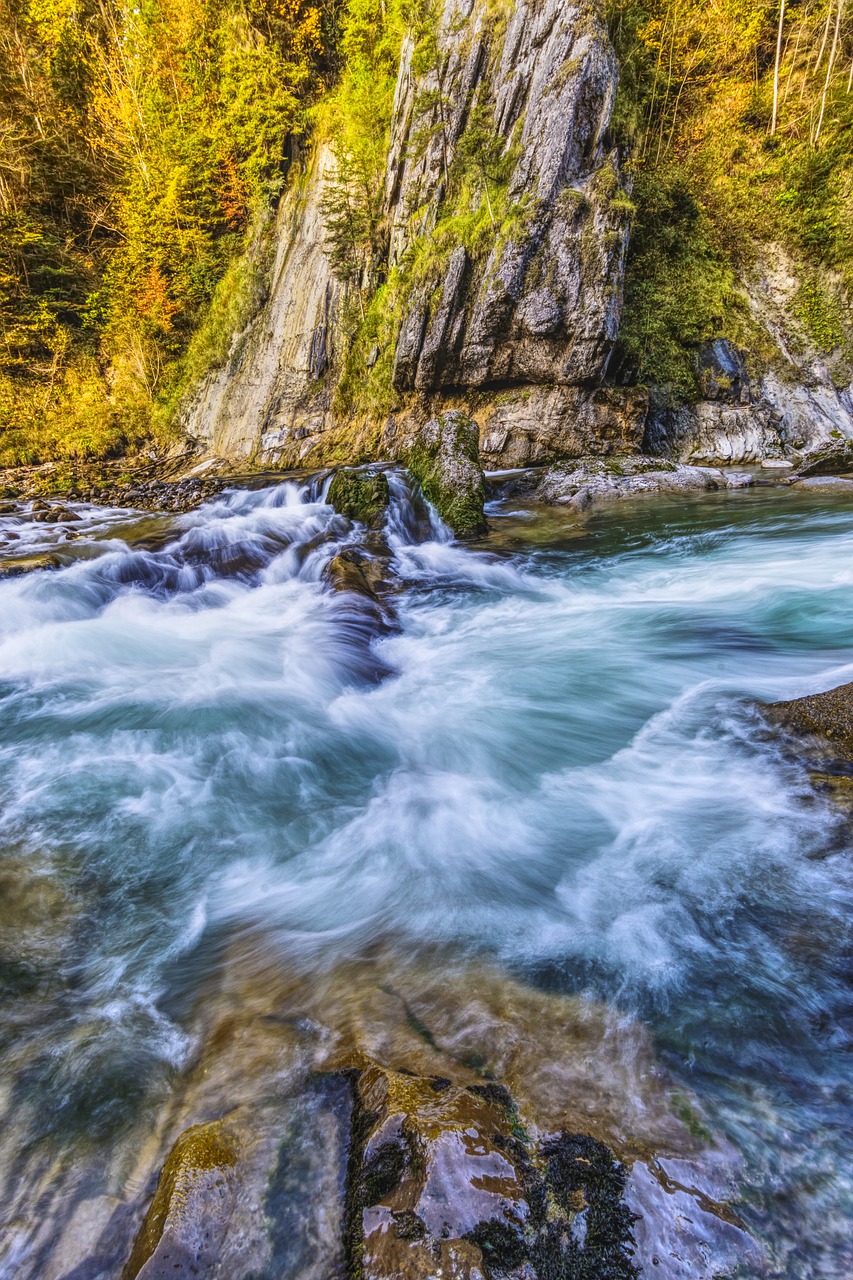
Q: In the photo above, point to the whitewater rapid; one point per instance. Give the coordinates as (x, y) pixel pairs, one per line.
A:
(552, 758)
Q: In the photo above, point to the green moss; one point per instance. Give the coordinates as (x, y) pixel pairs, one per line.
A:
(819, 314)
(447, 467)
(572, 203)
(476, 213)
(360, 495)
(680, 289)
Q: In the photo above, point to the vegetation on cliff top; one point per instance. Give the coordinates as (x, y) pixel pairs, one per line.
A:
(737, 126)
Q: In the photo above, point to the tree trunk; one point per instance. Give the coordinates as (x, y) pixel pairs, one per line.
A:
(829, 68)
(776, 69)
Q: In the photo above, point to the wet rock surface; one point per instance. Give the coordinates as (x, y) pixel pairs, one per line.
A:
(188, 1219)
(390, 1119)
(835, 459)
(579, 485)
(448, 1181)
(826, 719)
(444, 458)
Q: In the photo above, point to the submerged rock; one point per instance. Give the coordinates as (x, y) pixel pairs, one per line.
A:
(384, 1117)
(16, 568)
(355, 569)
(260, 1193)
(448, 1181)
(188, 1218)
(833, 484)
(444, 458)
(360, 495)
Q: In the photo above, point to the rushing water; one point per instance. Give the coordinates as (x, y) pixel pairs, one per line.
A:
(550, 758)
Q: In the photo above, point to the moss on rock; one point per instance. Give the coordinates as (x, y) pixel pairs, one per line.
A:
(200, 1158)
(835, 459)
(444, 458)
(360, 495)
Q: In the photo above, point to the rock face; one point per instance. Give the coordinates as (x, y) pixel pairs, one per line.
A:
(543, 307)
(799, 400)
(540, 424)
(444, 458)
(270, 392)
(515, 327)
(536, 310)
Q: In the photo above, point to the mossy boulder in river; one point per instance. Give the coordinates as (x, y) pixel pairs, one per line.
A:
(360, 495)
(444, 458)
(189, 1216)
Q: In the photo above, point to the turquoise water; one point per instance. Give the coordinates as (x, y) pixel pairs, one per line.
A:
(551, 759)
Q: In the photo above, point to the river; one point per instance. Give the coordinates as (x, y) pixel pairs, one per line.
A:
(546, 758)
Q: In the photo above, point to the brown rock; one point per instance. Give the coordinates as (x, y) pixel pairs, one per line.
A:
(823, 716)
(189, 1215)
(448, 1182)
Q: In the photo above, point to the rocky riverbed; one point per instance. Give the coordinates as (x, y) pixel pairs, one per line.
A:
(361, 916)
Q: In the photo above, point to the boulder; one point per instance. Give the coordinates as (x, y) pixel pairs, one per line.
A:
(582, 483)
(834, 459)
(361, 495)
(261, 1192)
(825, 717)
(16, 568)
(354, 569)
(444, 458)
(189, 1216)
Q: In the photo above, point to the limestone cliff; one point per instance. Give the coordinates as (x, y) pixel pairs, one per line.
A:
(271, 387)
(789, 399)
(518, 326)
(526, 325)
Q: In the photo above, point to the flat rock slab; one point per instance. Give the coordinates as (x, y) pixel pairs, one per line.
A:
(837, 484)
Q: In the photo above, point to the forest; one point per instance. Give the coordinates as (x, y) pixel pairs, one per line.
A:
(145, 148)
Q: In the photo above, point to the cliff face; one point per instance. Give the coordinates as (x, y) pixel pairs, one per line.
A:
(543, 307)
(792, 400)
(526, 325)
(518, 327)
(271, 387)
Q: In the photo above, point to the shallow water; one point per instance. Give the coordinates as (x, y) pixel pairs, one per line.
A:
(552, 761)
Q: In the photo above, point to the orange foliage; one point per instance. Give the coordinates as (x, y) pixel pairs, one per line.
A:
(153, 301)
